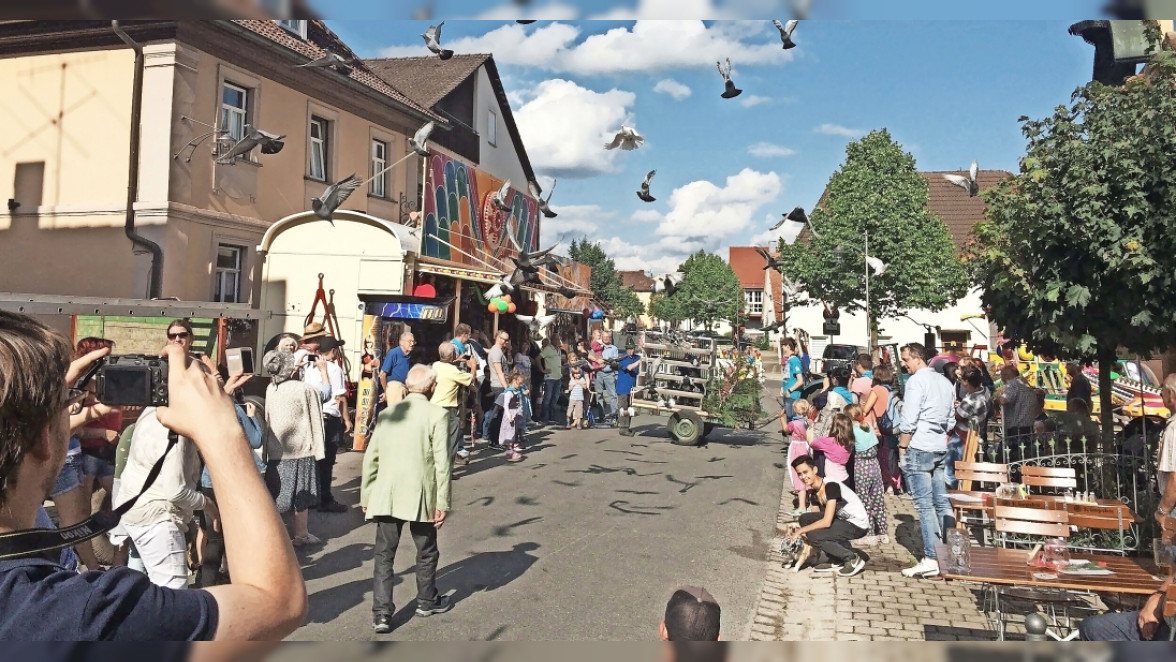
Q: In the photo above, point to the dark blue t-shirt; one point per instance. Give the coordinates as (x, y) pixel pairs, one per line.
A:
(39, 600)
(626, 380)
(396, 365)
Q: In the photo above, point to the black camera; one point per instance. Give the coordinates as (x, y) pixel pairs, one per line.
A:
(134, 380)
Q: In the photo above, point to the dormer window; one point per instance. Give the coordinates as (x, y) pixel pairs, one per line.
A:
(295, 27)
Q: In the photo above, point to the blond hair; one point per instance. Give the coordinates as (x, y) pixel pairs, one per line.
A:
(801, 408)
(857, 414)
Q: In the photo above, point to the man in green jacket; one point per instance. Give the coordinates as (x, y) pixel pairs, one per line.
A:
(406, 479)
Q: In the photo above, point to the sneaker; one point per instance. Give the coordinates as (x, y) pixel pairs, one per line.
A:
(463, 453)
(382, 623)
(514, 456)
(443, 605)
(798, 512)
(825, 567)
(868, 541)
(308, 539)
(924, 568)
(333, 507)
(852, 567)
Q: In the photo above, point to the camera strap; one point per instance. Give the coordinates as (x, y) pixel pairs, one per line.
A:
(33, 542)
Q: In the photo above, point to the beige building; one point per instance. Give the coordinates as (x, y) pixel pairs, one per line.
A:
(67, 150)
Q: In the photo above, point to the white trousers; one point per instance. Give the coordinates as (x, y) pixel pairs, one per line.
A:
(164, 552)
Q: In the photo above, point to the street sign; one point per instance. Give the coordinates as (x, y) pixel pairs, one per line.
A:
(831, 328)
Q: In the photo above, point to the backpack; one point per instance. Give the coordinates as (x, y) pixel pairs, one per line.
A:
(890, 417)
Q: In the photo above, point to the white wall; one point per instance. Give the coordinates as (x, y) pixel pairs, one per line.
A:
(500, 159)
(901, 330)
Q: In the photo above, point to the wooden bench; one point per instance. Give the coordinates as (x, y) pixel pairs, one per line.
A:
(1057, 478)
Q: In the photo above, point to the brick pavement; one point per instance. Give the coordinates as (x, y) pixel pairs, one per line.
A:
(877, 605)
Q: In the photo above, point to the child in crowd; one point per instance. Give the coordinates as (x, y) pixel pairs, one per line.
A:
(511, 433)
(837, 448)
(867, 475)
(798, 446)
(577, 386)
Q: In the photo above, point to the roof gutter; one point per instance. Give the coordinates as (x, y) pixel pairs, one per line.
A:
(155, 282)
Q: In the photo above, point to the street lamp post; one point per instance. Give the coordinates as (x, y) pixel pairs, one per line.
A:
(869, 325)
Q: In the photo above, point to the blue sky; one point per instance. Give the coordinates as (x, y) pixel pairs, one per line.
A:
(949, 91)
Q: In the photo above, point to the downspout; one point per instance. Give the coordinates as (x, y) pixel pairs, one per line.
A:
(155, 283)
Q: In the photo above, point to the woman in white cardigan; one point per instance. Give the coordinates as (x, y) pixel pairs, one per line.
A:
(294, 441)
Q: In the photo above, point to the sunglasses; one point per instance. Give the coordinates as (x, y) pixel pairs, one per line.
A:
(74, 398)
(182, 335)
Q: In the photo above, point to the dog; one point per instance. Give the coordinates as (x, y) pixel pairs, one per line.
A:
(794, 549)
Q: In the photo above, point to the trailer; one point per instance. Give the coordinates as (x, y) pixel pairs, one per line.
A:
(679, 378)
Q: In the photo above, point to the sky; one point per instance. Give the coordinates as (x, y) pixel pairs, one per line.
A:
(949, 91)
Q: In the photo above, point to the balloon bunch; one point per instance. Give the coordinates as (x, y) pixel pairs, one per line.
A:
(501, 304)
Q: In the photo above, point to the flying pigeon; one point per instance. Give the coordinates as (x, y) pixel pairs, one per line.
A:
(270, 144)
(667, 283)
(731, 92)
(537, 193)
(326, 204)
(330, 61)
(531, 262)
(786, 30)
(503, 286)
(772, 262)
(627, 139)
(524, 22)
(969, 183)
(536, 324)
(877, 265)
(417, 142)
(644, 192)
(499, 198)
(797, 215)
(790, 287)
(432, 38)
(567, 293)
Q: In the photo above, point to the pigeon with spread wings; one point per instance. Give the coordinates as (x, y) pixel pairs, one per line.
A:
(270, 144)
(786, 30)
(644, 192)
(730, 91)
(968, 183)
(325, 205)
(537, 193)
(418, 140)
(499, 198)
(536, 324)
(432, 38)
(771, 261)
(627, 139)
(330, 60)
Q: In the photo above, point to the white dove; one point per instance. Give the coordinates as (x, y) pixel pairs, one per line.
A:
(418, 140)
(537, 193)
(432, 38)
(536, 324)
(969, 183)
(786, 30)
(877, 265)
(499, 198)
(503, 286)
(627, 139)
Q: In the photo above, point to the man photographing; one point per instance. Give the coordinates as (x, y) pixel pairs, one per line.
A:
(267, 598)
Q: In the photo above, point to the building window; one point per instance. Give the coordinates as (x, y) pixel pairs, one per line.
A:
(379, 162)
(491, 127)
(754, 300)
(227, 288)
(318, 148)
(296, 27)
(234, 110)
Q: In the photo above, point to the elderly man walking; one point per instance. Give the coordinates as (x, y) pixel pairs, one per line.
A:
(927, 417)
(606, 379)
(406, 480)
(448, 396)
(394, 370)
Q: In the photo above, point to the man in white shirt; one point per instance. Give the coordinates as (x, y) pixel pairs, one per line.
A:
(841, 519)
(1167, 453)
(336, 421)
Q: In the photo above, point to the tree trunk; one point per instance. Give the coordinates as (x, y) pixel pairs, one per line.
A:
(1106, 363)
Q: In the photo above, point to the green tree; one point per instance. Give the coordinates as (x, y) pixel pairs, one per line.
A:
(877, 190)
(606, 281)
(1078, 257)
(707, 278)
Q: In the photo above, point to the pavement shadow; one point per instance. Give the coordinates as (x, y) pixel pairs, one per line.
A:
(339, 561)
(331, 603)
(951, 633)
(909, 534)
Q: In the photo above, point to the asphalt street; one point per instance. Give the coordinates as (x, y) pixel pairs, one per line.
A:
(585, 539)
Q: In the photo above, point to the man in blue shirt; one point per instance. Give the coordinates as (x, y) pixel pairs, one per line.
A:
(394, 370)
(606, 379)
(628, 366)
(927, 417)
(793, 377)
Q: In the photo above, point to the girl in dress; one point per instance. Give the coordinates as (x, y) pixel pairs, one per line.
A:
(798, 446)
(510, 433)
(867, 475)
(837, 448)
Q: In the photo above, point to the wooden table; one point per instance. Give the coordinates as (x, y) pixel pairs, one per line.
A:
(995, 565)
(988, 503)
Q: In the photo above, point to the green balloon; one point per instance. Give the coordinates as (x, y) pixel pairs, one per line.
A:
(502, 306)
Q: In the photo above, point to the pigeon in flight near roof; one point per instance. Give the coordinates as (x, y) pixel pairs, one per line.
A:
(330, 61)
(771, 261)
(627, 139)
(499, 198)
(270, 144)
(644, 192)
(537, 193)
(797, 215)
(786, 30)
(731, 91)
(969, 183)
(326, 204)
(432, 38)
(418, 140)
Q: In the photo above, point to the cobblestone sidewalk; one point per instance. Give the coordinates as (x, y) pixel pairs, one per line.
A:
(878, 605)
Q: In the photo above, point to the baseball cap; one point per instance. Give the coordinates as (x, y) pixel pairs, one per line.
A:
(692, 614)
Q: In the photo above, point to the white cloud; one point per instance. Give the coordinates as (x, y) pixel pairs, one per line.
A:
(646, 216)
(573, 222)
(788, 231)
(552, 11)
(754, 100)
(673, 88)
(768, 150)
(572, 148)
(637, 256)
(838, 130)
(645, 46)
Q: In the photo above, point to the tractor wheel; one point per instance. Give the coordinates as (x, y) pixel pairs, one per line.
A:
(685, 428)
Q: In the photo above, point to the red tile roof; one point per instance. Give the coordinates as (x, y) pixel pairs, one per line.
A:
(638, 280)
(320, 39)
(951, 203)
(748, 266)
